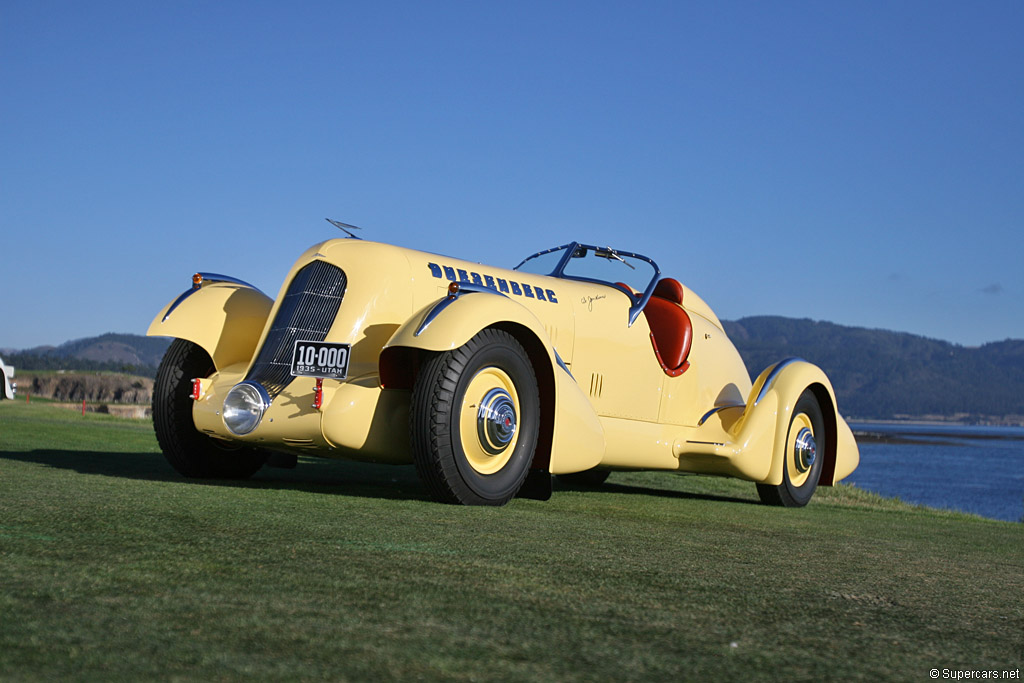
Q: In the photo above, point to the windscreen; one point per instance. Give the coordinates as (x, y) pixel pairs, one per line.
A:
(606, 265)
(593, 264)
(543, 263)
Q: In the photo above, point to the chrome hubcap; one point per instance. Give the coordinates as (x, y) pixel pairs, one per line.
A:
(806, 449)
(496, 421)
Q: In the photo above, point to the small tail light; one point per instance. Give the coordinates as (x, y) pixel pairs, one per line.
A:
(318, 394)
(197, 389)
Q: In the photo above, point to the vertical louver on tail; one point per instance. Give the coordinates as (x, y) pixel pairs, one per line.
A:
(307, 312)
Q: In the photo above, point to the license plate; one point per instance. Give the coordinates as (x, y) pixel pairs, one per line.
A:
(320, 359)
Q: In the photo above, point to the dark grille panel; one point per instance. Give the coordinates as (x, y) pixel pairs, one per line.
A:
(307, 312)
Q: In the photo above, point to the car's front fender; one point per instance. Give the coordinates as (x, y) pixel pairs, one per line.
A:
(572, 428)
(225, 319)
(784, 383)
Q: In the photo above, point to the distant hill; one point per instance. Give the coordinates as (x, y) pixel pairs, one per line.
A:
(119, 348)
(876, 373)
(883, 374)
(130, 353)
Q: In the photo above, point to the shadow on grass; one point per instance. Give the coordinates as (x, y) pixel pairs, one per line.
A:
(313, 475)
(635, 490)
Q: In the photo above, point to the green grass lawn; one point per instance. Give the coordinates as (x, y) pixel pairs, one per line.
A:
(112, 567)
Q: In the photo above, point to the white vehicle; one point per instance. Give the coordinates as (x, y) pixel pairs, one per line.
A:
(9, 386)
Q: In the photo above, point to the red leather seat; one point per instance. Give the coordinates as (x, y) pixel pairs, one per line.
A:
(671, 329)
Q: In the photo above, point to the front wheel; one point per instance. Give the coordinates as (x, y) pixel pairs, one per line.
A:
(190, 452)
(802, 468)
(475, 419)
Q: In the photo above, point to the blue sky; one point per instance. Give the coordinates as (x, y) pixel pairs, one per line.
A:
(855, 162)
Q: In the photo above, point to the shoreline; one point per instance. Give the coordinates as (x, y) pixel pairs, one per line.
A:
(940, 421)
(925, 433)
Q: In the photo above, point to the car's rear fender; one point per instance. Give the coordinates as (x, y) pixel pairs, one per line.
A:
(571, 437)
(784, 383)
(226, 319)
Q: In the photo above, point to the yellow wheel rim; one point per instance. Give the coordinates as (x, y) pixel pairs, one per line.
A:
(489, 420)
(801, 450)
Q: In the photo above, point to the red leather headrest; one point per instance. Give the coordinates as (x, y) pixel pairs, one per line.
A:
(671, 334)
(670, 289)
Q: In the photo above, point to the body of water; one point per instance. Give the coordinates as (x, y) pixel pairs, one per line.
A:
(972, 469)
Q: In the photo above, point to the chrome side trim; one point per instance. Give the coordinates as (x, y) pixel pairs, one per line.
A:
(561, 364)
(433, 313)
(773, 375)
(214, 277)
(704, 418)
(207, 277)
(464, 288)
(470, 287)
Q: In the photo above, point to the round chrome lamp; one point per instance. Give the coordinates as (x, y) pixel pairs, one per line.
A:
(244, 407)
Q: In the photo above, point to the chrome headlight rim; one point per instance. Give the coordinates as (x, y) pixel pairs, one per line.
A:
(244, 407)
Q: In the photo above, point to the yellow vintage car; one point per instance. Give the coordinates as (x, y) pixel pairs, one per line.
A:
(579, 361)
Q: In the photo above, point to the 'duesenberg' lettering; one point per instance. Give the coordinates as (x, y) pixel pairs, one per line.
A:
(496, 283)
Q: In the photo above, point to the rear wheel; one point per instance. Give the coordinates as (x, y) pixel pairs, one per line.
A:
(802, 466)
(191, 453)
(474, 420)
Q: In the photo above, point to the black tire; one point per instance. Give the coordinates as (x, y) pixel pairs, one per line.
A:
(464, 453)
(190, 452)
(799, 480)
(589, 479)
